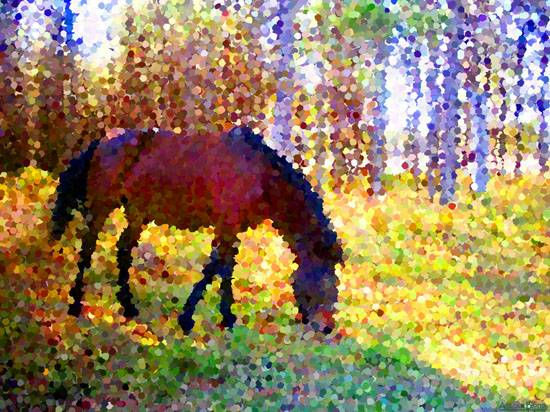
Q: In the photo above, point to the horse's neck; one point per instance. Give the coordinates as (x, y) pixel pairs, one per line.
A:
(295, 218)
(305, 253)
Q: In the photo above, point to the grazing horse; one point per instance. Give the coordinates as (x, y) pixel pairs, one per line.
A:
(230, 181)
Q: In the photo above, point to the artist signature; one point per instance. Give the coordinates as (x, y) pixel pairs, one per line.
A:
(522, 406)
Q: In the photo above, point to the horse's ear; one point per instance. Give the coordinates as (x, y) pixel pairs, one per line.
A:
(245, 133)
(241, 131)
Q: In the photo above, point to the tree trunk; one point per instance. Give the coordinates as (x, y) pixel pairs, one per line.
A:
(477, 54)
(14, 148)
(70, 84)
(412, 146)
(519, 108)
(377, 151)
(543, 144)
(51, 123)
(521, 48)
(449, 133)
(481, 141)
(502, 117)
(432, 149)
(285, 73)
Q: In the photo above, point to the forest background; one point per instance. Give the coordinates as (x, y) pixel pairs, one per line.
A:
(422, 124)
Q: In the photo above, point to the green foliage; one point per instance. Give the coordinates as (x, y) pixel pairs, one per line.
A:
(366, 19)
(419, 254)
(370, 21)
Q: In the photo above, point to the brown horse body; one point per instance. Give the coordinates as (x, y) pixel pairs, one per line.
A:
(197, 183)
(230, 182)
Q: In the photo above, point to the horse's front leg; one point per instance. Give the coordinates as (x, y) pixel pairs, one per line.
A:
(127, 241)
(226, 294)
(222, 262)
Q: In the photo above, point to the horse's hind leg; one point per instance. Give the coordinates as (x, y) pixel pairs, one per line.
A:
(77, 291)
(88, 247)
(209, 271)
(127, 241)
(222, 261)
(226, 290)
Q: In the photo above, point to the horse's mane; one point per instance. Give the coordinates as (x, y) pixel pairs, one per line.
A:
(294, 177)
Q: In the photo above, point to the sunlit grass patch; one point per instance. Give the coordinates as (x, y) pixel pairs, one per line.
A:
(456, 285)
(455, 295)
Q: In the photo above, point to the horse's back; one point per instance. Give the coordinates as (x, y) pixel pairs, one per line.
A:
(106, 170)
(188, 181)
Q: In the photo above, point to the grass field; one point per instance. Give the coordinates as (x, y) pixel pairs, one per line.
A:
(440, 307)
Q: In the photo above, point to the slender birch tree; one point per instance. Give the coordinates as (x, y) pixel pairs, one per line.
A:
(13, 137)
(283, 14)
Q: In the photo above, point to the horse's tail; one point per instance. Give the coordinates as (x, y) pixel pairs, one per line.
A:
(71, 191)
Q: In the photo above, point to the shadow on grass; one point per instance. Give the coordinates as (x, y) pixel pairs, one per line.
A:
(513, 290)
(241, 369)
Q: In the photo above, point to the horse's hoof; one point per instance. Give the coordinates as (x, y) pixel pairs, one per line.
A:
(131, 312)
(186, 323)
(229, 321)
(75, 309)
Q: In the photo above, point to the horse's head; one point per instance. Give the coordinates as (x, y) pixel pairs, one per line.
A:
(315, 288)
(315, 284)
